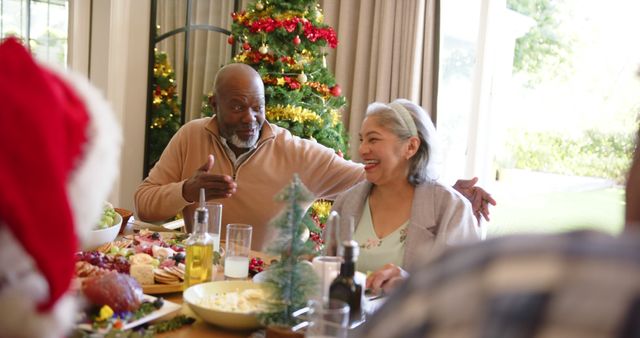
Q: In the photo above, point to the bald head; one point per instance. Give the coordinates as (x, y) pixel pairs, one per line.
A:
(236, 73)
(239, 104)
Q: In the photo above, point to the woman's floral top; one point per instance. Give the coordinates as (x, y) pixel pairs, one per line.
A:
(375, 252)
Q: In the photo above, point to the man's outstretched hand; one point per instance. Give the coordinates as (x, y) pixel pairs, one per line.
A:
(480, 199)
(216, 186)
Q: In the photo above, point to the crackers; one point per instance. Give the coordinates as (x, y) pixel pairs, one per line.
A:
(121, 244)
(169, 275)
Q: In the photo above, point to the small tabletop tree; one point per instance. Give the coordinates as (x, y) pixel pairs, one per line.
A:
(291, 280)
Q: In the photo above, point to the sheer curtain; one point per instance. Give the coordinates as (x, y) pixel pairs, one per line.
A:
(208, 52)
(388, 49)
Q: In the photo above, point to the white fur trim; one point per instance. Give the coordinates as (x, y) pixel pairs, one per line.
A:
(20, 296)
(92, 179)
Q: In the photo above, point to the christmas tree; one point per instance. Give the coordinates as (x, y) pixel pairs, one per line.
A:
(290, 281)
(286, 41)
(165, 111)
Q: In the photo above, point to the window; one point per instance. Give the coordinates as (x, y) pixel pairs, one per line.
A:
(42, 23)
(458, 50)
(540, 99)
(188, 44)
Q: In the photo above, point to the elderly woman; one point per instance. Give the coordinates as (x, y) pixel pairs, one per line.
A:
(401, 212)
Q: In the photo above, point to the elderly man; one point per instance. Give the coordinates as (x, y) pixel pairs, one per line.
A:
(239, 157)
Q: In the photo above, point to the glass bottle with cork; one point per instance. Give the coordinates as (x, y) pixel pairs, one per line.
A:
(199, 257)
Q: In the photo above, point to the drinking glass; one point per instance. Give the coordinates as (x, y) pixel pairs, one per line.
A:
(236, 262)
(215, 218)
(328, 319)
(327, 268)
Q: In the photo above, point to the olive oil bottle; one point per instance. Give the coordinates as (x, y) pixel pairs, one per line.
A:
(199, 257)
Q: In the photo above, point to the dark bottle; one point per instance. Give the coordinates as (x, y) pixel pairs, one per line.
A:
(345, 288)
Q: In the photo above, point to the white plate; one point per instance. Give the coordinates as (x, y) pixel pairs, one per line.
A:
(166, 309)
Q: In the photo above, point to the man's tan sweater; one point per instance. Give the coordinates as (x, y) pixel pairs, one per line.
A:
(267, 170)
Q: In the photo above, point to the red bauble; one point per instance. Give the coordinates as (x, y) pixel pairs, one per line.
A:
(246, 46)
(296, 40)
(335, 90)
(230, 40)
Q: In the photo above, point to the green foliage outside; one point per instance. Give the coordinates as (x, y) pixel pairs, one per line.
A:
(592, 153)
(544, 52)
(550, 212)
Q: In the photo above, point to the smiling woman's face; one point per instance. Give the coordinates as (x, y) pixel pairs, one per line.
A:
(383, 153)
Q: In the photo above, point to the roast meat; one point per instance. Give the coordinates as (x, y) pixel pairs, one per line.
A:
(120, 291)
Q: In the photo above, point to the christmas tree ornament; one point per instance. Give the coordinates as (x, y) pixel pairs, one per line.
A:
(259, 6)
(246, 46)
(230, 40)
(336, 90)
(302, 77)
(324, 61)
(296, 40)
(264, 49)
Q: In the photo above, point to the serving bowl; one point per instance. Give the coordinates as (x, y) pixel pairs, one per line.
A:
(198, 295)
(97, 237)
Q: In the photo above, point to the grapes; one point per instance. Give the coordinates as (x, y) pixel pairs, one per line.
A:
(179, 257)
(117, 263)
(108, 217)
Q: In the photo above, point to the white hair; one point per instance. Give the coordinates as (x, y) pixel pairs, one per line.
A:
(423, 165)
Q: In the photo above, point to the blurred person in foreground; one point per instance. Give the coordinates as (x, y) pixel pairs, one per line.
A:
(632, 213)
(401, 213)
(579, 284)
(59, 156)
(243, 161)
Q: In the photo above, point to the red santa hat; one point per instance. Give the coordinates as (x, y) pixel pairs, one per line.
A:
(59, 155)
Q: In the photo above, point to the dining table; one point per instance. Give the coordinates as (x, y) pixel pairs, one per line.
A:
(201, 329)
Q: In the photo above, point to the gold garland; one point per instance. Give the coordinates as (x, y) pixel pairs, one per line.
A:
(335, 117)
(293, 113)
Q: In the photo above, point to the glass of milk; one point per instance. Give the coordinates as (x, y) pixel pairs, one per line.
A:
(238, 246)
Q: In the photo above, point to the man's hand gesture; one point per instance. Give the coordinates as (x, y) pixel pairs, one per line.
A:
(480, 199)
(216, 186)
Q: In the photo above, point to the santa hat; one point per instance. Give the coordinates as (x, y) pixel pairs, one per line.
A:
(59, 156)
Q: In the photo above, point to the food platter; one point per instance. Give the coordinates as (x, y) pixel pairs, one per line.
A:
(155, 259)
(167, 309)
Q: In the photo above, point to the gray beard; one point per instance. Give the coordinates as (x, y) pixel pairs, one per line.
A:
(236, 141)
